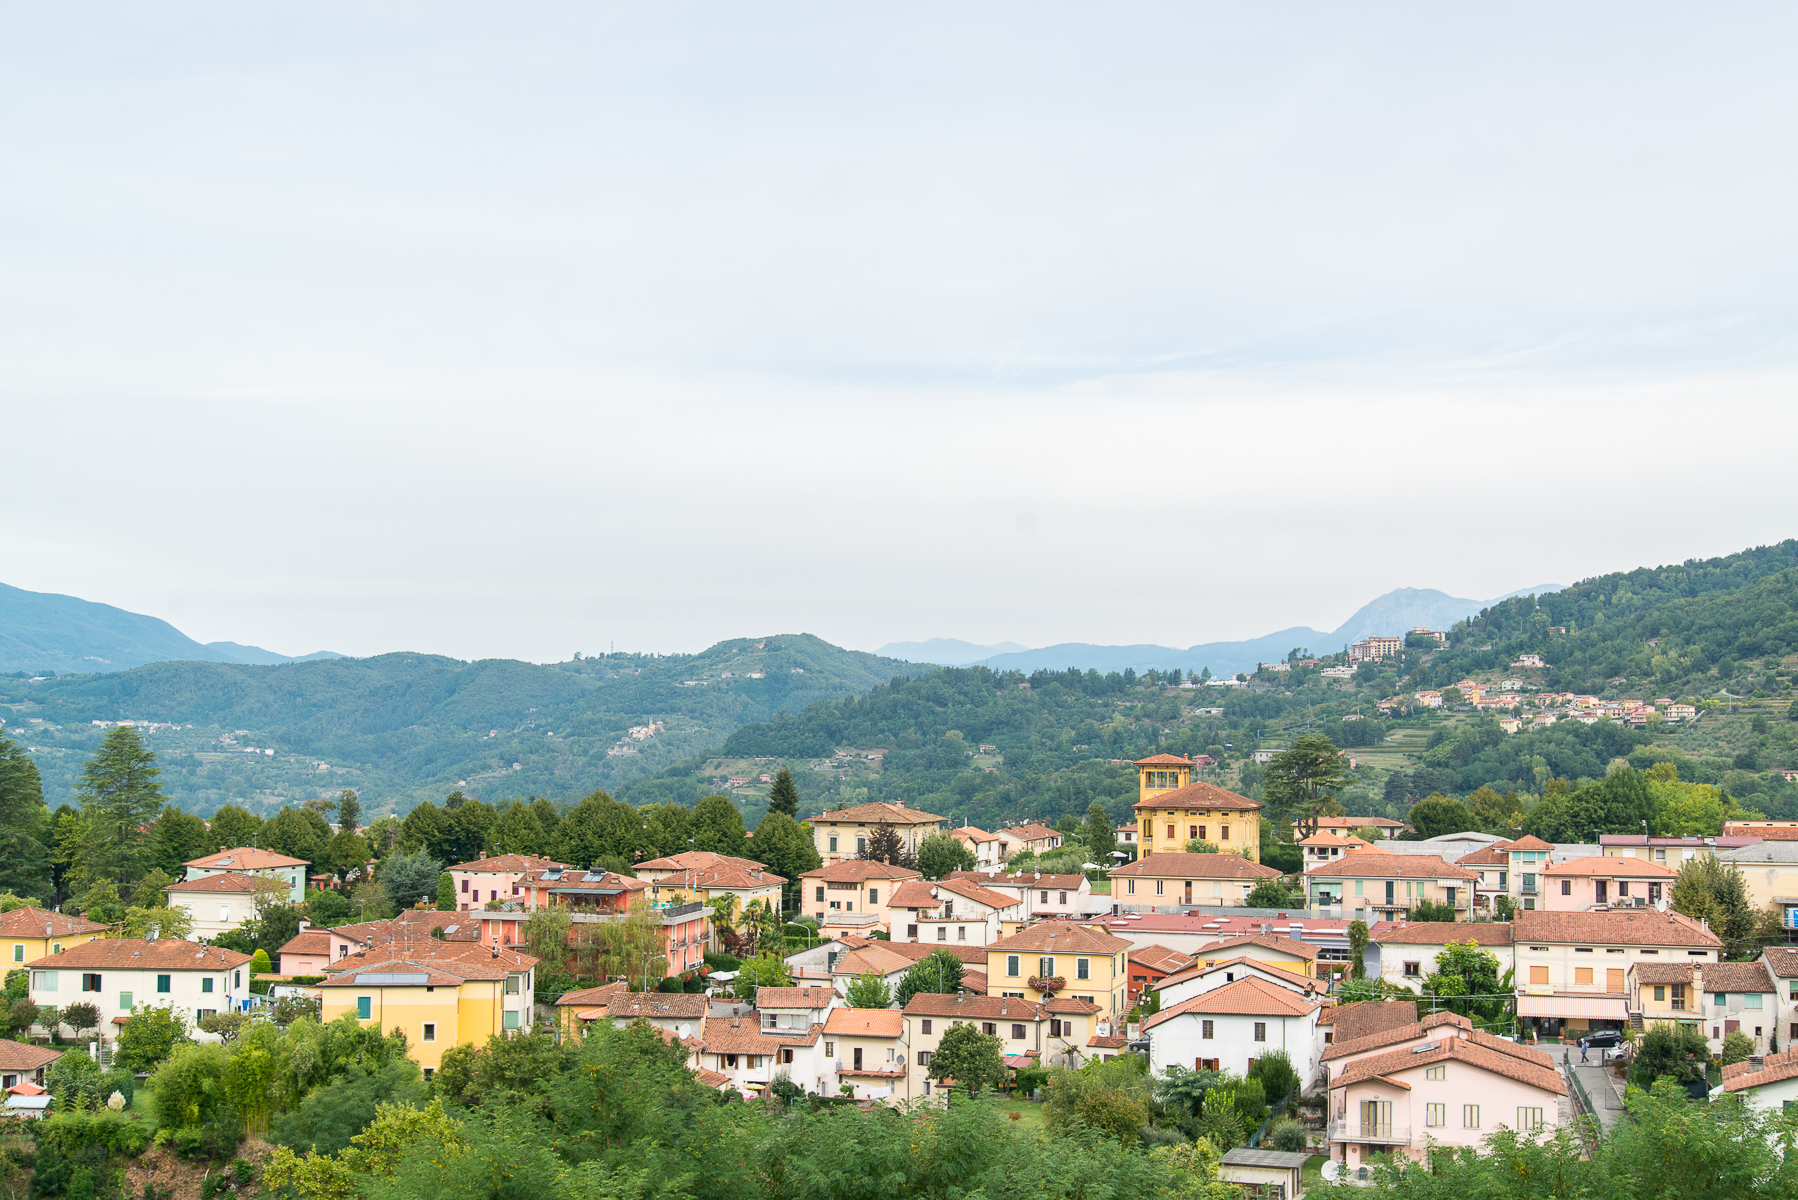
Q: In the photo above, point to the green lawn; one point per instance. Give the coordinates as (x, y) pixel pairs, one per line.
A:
(1313, 1175)
(1030, 1112)
(1101, 887)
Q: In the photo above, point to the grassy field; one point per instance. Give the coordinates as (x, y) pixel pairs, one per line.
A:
(1030, 1113)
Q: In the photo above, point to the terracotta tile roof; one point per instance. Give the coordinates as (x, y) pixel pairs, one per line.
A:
(1774, 1068)
(740, 1035)
(1662, 972)
(1394, 1035)
(711, 1079)
(974, 981)
(1644, 928)
(1033, 832)
(973, 956)
(137, 954)
(1108, 1043)
(230, 881)
(600, 996)
(510, 862)
(917, 893)
(1324, 837)
(1023, 879)
(1612, 866)
(1060, 938)
(34, 922)
(1736, 977)
(429, 974)
(1356, 823)
(1783, 960)
(804, 996)
(1163, 760)
(245, 858)
(1530, 841)
(1462, 1050)
(855, 870)
(973, 834)
(1490, 856)
(865, 1022)
(608, 882)
(1249, 997)
(471, 960)
(684, 1006)
(308, 941)
(1160, 958)
(1365, 1017)
(880, 959)
(984, 1008)
(1265, 941)
(1072, 1004)
(701, 860)
(726, 876)
(1177, 864)
(1303, 983)
(1440, 933)
(877, 813)
(1372, 864)
(1200, 795)
(18, 1056)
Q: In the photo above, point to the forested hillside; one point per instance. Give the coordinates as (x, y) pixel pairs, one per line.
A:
(404, 727)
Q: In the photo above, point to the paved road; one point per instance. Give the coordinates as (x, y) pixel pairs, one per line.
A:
(1600, 1085)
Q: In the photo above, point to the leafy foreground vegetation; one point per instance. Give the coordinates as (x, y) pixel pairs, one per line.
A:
(1671, 1149)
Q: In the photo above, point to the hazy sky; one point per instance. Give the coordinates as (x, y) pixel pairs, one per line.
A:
(521, 330)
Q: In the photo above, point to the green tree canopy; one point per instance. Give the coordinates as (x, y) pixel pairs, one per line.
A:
(233, 827)
(25, 830)
(786, 848)
(940, 973)
(410, 877)
(972, 1059)
(868, 990)
(939, 854)
(1302, 781)
(783, 797)
(718, 826)
(120, 797)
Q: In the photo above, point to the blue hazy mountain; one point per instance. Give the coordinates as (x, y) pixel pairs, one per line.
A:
(946, 652)
(1392, 614)
(45, 633)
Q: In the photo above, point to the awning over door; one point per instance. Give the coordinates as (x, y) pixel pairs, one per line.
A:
(1603, 1008)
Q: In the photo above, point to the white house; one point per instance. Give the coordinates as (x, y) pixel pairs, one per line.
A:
(117, 975)
(248, 860)
(949, 910)
(1766, 1085)
(1177, 989)
(1404, 952)
(988, 848)
(1040, 895)
(794, 1009)
(1228, 1028)
(1782, 965)
(750, 1056)
(216, 903)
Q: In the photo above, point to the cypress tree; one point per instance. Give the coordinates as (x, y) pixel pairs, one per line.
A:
(783, 797)
(446, 893)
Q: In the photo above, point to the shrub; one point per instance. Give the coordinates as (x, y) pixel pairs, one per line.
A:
(1275, 1071)
(260, 964)
(1289, 1136)
(1222, 1127)
(1153, 1137)
(1251, 1102)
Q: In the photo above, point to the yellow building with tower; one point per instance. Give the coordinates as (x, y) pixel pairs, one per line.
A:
(1172, 810)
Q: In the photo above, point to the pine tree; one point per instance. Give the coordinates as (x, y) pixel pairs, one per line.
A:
(783, 797)
(120, 797)
(25, 830)
(885, 845)
(349, 810)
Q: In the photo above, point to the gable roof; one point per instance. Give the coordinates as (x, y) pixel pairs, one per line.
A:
(510, 862)
(1530, 841)
(1201, 795)
(20, 1056)
(1647, 972)
(1639, 928)
(1021, 879)
(878, 958)
(1160, 958)
(664, 1005)
(1495, 855)
(723, 875)
(1247, 997)
(34, 922)
(1266, 941)
(1783, 960)
(601, 995)
(986, 1008)
(1440, 933)
(1375, 864)
(805, 996)
(244, 858)
(865, 1022)
(920, 893)
(1736, 977)
(1463, 1050)
(1033, 832)
(1304, 983)
(230, 881)
(1177, 864)
(308, 941)
(135, 954)
(1059, 937)
(859, 870)
(878, 814)
(1360, 1018)
(973, 834)
(696, 860)
(1394, 1035)
(1774, 1068)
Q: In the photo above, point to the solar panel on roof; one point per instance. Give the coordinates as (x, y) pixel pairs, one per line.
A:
(377, 979)
(593, 877)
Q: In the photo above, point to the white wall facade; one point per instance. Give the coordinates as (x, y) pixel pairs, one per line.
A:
(1233, 1044)
(193, 993)
(214, 913)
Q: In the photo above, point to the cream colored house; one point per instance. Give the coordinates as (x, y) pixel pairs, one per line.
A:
(851, 886)
(248, 860)
(1771, 871)
(1175, 879)
(865, 1049)
(1368, 885)
(957, 910)
(1059, 958)
(1573, 967)
(844, 833)
(217, 903)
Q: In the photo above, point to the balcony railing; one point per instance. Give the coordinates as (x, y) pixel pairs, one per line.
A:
(1355, 1131)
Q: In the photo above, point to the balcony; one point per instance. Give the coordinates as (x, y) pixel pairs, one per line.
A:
(1355, 1131)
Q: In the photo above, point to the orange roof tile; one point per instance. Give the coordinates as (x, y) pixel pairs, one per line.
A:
(1248, 996)
(1200, 795)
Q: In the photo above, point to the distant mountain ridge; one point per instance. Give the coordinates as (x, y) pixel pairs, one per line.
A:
(1393, 613)
(50, 633)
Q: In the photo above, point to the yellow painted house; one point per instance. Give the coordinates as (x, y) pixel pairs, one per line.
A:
(440, 994)
(1059, 959)
(1172, 810)
(31, 933)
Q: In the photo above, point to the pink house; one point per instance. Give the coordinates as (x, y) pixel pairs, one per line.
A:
(1451, 1091)
(1618, 882)
(500, 877)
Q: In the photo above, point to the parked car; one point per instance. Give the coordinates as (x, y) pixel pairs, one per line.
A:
(1604, 1039)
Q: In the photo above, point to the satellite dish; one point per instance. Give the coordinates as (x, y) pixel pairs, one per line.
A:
(1332, 1170)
